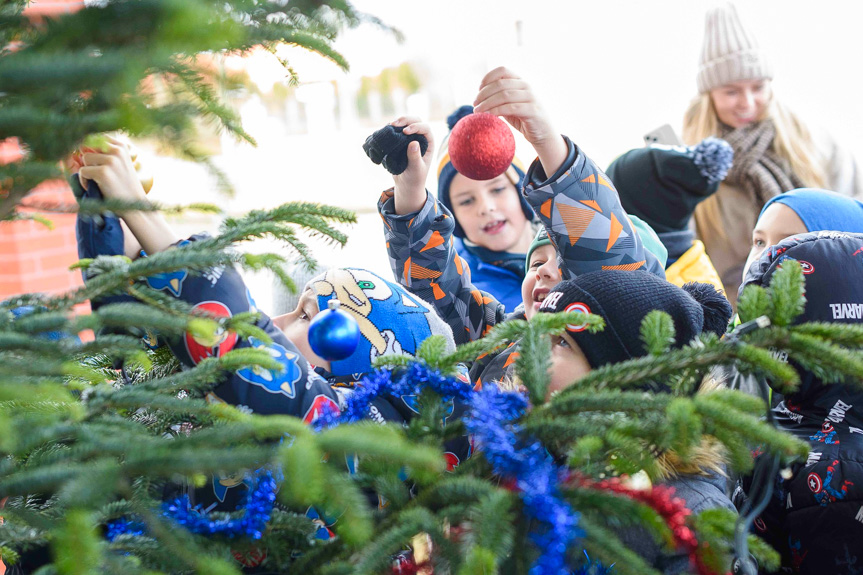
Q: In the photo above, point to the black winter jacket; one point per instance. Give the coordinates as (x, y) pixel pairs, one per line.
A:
(815, 518)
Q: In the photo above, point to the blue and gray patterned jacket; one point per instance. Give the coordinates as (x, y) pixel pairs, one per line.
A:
(579, 207)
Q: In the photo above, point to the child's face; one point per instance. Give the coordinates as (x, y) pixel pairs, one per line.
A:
(490, 213)
(295, 326)
(741, 103)
(776, 223)
(568, 363)
(542, 275)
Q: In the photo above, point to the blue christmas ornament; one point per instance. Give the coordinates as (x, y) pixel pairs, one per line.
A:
(333, 333)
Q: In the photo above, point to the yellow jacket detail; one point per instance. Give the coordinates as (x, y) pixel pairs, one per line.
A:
(693, 266)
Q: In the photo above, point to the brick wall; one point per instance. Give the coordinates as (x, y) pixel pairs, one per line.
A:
(34, 258)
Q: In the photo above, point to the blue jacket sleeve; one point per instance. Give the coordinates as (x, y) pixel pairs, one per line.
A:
(98, 236)
(585, 221)
(424, 260)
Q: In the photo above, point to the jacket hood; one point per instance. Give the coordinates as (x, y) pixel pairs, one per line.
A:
(833, 270)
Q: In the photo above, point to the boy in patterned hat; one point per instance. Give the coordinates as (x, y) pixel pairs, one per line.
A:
(492, 222)
(578, 206)
(391, 319)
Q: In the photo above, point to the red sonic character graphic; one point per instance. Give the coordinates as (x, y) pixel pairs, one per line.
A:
(452, 460)
(826, 435)
(824, 492)
(320, 405)
(221, 342)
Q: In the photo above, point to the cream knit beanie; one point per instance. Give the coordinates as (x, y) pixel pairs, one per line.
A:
(730, 52)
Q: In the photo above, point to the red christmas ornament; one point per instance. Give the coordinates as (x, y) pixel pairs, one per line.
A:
(481, 146)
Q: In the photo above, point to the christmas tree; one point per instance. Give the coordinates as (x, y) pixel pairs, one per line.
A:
(102, 441)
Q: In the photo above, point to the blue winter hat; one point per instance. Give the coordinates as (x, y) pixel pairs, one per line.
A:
(822, 210)
(446, 172)
(391, 319)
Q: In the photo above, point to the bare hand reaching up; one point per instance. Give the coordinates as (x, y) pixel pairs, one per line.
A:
(503, 93)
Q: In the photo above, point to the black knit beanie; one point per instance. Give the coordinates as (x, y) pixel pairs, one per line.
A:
(623, 299)
(663, 184)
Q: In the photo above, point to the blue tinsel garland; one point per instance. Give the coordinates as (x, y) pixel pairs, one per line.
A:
(256, 510)
(489, 420)
(535, 474)
(410, 381)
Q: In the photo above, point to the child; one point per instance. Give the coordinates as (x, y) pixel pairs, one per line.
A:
(391, 319)
(623, 299)
(790, 214)
(663, 185)
(800, 211)
(577, 204)
(813, 518)
(492, 223)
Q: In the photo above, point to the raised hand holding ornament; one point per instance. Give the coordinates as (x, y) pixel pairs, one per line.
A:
(481, 146)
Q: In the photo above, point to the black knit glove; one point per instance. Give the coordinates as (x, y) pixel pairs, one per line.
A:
(389, 146)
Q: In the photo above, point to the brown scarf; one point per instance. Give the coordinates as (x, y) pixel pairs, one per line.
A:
(757, 169)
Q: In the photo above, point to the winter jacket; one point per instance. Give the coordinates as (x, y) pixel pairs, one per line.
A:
(699, 493)
(728, 242)
(693, 266)
(815, 518)
(578, 206)
(501, 282)
(220, 291)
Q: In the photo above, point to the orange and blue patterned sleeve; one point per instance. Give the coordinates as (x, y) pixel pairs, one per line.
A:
(581, 210)
(424, 260)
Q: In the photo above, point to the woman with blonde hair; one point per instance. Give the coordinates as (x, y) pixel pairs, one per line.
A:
(774, 151)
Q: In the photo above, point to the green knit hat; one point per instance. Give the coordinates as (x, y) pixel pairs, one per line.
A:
(651, 241)
(540, 240)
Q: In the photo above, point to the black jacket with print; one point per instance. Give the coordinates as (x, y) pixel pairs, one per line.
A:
(815, 518)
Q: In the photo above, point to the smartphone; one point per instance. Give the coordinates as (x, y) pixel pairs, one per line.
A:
(662, 135)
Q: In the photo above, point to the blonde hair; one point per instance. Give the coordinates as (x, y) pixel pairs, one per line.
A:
(793, 143)
(706, 458)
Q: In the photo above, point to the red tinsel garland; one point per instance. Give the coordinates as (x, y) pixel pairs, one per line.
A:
(661, 499)
(404, 565)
